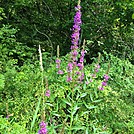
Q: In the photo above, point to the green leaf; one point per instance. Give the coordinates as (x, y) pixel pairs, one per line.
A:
(83, 95)
(49, 104)
(133, 16)
(78, 128)
(89, 107)
(64, 100)
(75, 109)
(35, 115)
(97, 101)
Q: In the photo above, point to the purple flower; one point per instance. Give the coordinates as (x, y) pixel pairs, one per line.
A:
(57, 66)
(104, 83)
(75, 26)
(80, 66)
(75, 35)
(78, 7)
(96, 70)
(74, 53)
(70, 67)
(42, 124)
(74, 47)
(58, 61)
(106, 77)
(97, 66)
(60, 72)
(81, 59)
(77, 73)
(42, 131)
(7, 116)
(87, 82)
(47, 93)
(91, 80)
(101, 88)
(77, 18)
(69, 79)
(82, 77)
(83, 53)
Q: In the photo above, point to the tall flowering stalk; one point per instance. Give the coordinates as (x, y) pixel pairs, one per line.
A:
(104, 82)
(75, 40)
(72, 64)
(105, 79)
(43, 129)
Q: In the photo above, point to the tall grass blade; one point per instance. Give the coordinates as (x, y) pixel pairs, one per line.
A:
(36, 112)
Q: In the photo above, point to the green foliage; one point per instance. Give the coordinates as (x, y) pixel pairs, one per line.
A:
(71, 108)
(7, 127)
(109, 24)
(10, 48)
(90, 110)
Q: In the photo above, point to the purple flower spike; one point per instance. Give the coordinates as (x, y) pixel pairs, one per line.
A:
(48, 93)
(43, 129)
(76, 27)
(75, 40)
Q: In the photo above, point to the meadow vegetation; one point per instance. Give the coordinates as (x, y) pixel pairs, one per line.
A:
(71, 81)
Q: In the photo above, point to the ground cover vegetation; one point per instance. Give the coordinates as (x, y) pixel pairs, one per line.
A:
(66, 67)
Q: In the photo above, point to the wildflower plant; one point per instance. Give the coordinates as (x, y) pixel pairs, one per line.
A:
(73, 62)
(76, 88)
(76, 73)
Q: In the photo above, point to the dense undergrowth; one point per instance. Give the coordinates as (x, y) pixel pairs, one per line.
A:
(65, 94)
(94, 111)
